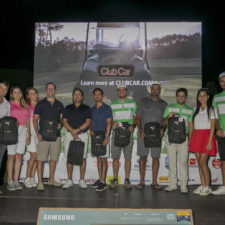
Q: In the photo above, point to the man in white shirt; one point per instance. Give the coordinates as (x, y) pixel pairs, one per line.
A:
(4, 111)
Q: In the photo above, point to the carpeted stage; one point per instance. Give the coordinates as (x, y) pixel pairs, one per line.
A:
(21, 207)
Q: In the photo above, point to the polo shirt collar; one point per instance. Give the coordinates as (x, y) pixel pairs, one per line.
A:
(124, 101)
(81, 105)
(103, 105)
(4, 100)
(49, 101)
(155, 100)
(180, 106)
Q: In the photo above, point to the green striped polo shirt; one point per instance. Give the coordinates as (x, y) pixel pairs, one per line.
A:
(123, 111)
(184, 111)
(219, 105)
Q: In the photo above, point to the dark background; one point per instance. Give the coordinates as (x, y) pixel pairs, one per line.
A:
(17, 20)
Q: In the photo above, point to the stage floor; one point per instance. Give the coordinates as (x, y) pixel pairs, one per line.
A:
(21, 207)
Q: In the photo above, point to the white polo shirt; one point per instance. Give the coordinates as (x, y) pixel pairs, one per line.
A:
(4, 108)
(202, 121)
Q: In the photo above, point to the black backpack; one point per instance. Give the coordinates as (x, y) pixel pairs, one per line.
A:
(152, 135)
(49, 129)
(176, 130)
(8, 130)
(75, 152)
(97, 149)
(122, 135)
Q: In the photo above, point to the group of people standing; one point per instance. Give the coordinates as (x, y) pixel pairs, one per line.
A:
(201, 125)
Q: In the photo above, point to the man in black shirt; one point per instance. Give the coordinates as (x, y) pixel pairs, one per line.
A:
(76, 119)
(48, 107)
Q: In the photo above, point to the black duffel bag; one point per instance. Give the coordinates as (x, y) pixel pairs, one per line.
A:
(8, 130)
(176, 130)
(49, 129)
(76, 152)
(122, 135)
(97, 149)
(152, 135)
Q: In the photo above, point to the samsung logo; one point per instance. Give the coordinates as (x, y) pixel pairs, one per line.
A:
(58, 217)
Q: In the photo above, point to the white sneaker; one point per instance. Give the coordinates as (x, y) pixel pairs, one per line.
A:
(32, 182)
(219, 191)
(198, 190)
(68, 184)
(27, 183)
(11, 186)
(184, 189)
(17, 185)
(206, 191)
(171, 187)
(82, 184)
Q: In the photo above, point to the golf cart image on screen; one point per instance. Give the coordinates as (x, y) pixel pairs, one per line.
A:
(116, 54)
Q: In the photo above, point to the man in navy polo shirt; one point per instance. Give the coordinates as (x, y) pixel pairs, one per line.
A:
(48, 107)
(101, 121)
(76, 119)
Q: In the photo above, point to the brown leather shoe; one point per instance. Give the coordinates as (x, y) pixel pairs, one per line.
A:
(157, 187)
(140, 186)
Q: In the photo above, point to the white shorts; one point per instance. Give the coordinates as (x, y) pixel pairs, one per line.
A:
(69, 138)
(20, 146)
(32, 147)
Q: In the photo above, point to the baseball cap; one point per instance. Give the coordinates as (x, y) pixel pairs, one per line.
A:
(222, 75)
(153, 83)
(119, 86)
(156, 83)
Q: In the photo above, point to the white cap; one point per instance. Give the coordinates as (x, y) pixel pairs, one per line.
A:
(222, 75)
(153, 83)
(119, 86)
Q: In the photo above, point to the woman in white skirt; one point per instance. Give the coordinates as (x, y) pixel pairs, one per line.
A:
(32, 100)
(19, 110)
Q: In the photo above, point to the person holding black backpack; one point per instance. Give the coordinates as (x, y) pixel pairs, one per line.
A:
(179, 147)
(100, 127)
(20, 111)
(4, 111)
(124, 119)
(149, 121)
(76, 119)
(48, 116)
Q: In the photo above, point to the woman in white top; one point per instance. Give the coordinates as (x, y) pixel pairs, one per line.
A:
(32, 100)
(203, 142)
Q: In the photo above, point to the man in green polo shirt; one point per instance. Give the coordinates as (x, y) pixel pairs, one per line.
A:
(123, 110)
(180, 150)
(219, 105)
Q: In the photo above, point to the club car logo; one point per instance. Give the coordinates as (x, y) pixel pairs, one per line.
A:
(216, 164)
(119, 71)
(193, 162)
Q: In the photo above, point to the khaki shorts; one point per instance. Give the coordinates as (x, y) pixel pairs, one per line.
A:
(45, 148)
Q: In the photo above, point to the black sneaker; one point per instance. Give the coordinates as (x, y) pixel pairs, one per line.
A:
(101, 187)
(96, 184)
